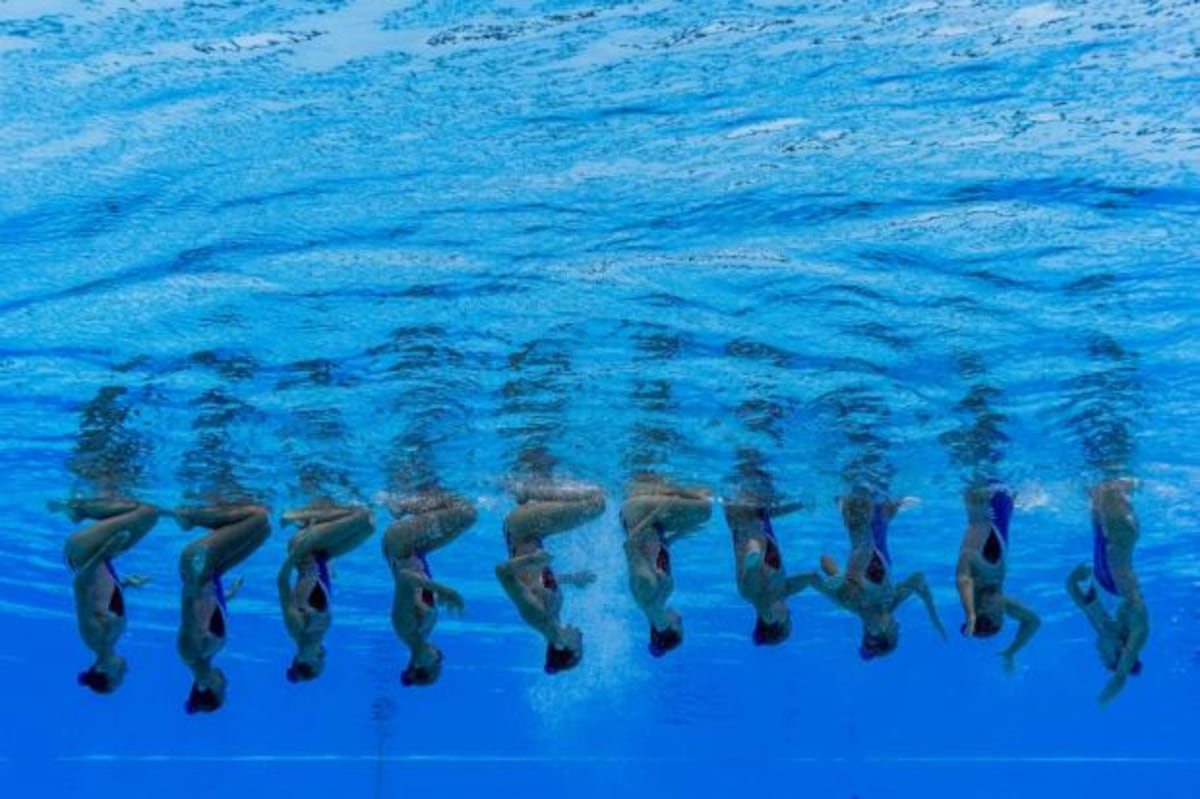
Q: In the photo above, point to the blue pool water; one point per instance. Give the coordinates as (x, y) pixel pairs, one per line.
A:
(341, 247)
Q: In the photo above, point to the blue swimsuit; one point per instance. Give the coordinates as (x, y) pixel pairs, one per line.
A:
(1100, 567)
(1001, 503)
(881, 559)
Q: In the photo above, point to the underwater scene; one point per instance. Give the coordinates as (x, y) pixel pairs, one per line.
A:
(590, 398)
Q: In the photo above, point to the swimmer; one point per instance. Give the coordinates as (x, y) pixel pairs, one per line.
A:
(544, 509)
(656, 515)
(982, 566)
(761, 578)
(236, 531)
(867, 589)
(424, 523)
(1119, 638)
(99, 598)
(326, 532)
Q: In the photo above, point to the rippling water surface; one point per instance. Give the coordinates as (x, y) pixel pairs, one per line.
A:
(343, 248)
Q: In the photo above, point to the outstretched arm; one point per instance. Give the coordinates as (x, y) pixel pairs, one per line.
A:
(508, 573)
(798, 582)
(1087, 601)
(1029, 624)
(830, 588)
(447, 597)
(966, 590)
(916, 584)
(292, 618)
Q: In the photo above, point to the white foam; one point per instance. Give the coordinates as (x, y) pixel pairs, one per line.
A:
(1039, 15)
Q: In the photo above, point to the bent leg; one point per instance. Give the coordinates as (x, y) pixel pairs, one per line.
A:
(242, 530)
(429, 531)
(539, 519)
(336, 537)
(84, 544)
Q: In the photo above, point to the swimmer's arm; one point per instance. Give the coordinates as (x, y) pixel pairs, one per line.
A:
(447, 596)
(830, 588)
(1088, 602)
(1029, 624)
(966, 590)
(785, 509)
(798, 582)
(508, 574)
(916, 584)
(643, 581)
(1077, 576)
(283, 581)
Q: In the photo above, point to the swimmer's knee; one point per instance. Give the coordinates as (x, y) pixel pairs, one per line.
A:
(193, 564)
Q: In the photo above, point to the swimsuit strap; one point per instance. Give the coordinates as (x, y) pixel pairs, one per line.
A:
(879, 530)
(420, 556)
(1100, 567)
(112, 572)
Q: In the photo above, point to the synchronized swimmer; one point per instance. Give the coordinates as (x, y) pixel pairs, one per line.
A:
(654, 515)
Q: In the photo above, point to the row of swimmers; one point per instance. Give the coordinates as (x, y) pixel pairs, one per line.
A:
(654, 517)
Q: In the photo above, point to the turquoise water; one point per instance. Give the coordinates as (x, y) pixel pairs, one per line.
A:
(342, 247)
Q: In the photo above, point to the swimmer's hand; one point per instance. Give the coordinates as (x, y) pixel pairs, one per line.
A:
(1080, 573)
(451, 600)
(969, 627)
(1010, 662)
(233, 589)
(134, 581)
(1111, 690)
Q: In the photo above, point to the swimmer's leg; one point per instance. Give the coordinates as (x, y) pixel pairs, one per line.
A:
(239, 530)
(428, 531)
(135, 518)
(540, 519)
(335, 536)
